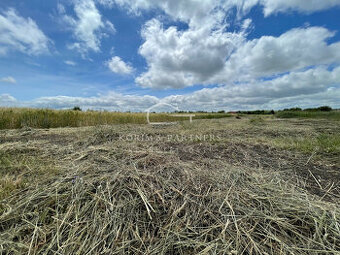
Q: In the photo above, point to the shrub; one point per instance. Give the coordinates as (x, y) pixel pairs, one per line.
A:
(325, 108)
(76, 108)
(295, 109)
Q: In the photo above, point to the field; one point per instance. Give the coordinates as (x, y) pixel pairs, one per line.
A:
(333, 115)
(46, 118)
(254, 185)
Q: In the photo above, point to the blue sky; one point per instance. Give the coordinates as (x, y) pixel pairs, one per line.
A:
(199, 55)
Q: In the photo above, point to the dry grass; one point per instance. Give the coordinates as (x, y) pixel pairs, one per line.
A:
(12, 118)
(171, 211)
(122, 196)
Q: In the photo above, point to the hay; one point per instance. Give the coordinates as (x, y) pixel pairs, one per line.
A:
(174, 209)
(113, 196)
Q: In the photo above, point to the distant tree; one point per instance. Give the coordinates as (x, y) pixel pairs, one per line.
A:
(222, 111)
(295, 109)
(76, 108)
(321, 108)
(272, 112)
(325, 108)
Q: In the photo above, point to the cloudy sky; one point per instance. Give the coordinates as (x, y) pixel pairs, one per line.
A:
(194, 54)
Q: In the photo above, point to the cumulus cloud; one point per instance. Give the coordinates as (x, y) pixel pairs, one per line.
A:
(88, 28)
(310, 88)
(293, 50)
(117, 65)
(21, 34)
(267, 94)
(198, 12)
(8, 79)
(112, 102)
(206, 53)
(178, 59)
(194, 12)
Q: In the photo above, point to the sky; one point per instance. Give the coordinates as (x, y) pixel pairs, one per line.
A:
(129, 55)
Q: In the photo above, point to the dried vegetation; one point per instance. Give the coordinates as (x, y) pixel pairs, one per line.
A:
(131, 189)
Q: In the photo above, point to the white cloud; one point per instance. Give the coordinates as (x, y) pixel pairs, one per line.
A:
(20, 34)
(89, 26)
(112, 101)
(70, 63)
(330, 97)
(268, 94)
(293, 50)
(205, 52)
(194, 12)
(7, 100)
(314, 87)
(197, 12)
(178, 59)
(273, 6)
(117, 65)
(8, 79)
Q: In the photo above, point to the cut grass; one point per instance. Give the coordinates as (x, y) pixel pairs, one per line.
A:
(122, 196)
(18, 171)
(174, 211)
(258, 120)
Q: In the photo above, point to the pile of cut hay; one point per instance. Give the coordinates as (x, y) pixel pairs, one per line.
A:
(175, 209)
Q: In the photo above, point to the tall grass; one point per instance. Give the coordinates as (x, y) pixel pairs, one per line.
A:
(333, 115)
(11, 118)
(45, 118)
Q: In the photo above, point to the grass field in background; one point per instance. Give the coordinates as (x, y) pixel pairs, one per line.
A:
(12, 118)
(332, 115)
